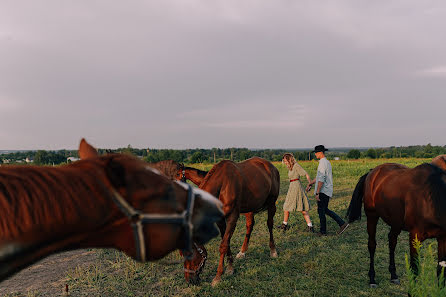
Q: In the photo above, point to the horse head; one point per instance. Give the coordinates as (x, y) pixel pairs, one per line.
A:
(181, 173)
(194, 266)
(162, 215)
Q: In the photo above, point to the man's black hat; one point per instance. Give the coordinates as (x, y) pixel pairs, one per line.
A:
(319, 148)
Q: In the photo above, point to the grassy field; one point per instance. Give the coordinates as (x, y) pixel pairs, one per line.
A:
(307, 265)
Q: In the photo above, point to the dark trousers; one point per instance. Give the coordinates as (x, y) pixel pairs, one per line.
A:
(322, 210)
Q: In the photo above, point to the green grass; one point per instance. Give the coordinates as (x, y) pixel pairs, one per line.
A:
(307, 265)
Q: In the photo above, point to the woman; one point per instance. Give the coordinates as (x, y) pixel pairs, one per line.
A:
(296, 199)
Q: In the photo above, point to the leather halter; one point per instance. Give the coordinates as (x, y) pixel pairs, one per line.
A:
(183, 175)
(202, 262)
(138, 219)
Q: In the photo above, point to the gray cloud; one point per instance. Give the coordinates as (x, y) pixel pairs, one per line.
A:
(183, 74)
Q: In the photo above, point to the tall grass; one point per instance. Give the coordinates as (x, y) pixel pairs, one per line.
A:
(426, 283)
(307, 265)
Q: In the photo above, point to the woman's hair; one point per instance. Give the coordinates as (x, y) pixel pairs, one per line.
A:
(290, 158)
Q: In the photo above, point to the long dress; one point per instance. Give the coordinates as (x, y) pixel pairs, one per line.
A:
(296, 199)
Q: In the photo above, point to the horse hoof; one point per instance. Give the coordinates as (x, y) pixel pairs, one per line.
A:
(215, 282)
(395, 281)
(240, 255)
(373, 286)
(274, 254)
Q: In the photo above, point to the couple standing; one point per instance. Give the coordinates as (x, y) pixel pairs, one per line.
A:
(297, 200)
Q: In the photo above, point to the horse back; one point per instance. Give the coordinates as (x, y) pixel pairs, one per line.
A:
(407, 198)
(385, 191)
(248, 185)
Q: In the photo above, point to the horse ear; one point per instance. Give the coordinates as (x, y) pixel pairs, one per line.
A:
(86, 150)
(115, 173)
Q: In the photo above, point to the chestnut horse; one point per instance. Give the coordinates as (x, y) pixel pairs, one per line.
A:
(406, 199)
(101, 201)
(193, 268)
(247, 187)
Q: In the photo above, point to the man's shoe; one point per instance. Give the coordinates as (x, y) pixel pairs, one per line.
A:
(343, 228)
(321, 234)
(310, 229)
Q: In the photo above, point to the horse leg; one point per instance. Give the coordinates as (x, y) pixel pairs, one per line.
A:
(441, 255)
(270, 223)
(393, 238)
(249, 226)
(224, 249)
(371, 229)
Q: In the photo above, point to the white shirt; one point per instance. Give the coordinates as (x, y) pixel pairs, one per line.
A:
(324, 174)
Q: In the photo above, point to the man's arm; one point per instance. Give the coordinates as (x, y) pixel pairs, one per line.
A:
(319, 187)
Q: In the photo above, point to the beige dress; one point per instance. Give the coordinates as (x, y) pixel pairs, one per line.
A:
(296, 199)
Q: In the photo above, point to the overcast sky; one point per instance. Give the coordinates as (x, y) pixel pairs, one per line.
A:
(188, 74)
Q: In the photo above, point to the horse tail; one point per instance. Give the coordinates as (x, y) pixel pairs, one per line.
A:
(354, 209)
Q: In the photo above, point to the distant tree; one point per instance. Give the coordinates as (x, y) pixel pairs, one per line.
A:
(41, 157)
(197, 157)
(371, 153)
(354, 154)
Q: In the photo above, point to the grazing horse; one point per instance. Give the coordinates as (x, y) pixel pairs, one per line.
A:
(102, 201)
(247, 187)
(167, 167)
(177, 171)
(406, 199)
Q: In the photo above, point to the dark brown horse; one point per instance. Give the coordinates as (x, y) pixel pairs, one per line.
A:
(103, 201)
(406, 199)
(177, 171)
(167, 167)
(247, 187)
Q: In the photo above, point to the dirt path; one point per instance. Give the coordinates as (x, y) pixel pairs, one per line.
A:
(48, 276)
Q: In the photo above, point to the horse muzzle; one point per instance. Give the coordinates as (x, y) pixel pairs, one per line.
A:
(209, 211)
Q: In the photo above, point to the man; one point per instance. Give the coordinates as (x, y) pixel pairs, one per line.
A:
(323, 191)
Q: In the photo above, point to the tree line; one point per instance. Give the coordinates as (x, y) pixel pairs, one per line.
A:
(42, 157)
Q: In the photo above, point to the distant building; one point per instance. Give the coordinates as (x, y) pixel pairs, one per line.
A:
(29, 160)
(72, 159)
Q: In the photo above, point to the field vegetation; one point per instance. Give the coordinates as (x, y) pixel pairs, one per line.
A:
(307, 265)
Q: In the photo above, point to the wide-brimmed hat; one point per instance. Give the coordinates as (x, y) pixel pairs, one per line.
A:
(319, 148)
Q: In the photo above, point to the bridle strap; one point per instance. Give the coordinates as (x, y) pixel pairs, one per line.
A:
(138, 219)
(183, 175)
(202, 262)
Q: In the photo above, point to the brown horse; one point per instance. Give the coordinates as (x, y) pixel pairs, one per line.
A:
(406, 199)
(101, 201)
(167, 167)
(247, 187)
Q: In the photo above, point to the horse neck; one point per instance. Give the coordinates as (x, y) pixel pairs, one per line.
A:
(44, 211)
(195, 175)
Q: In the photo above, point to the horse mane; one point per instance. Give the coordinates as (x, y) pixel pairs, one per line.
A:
(167, 167)
(440, 161)
(23, 188)
(437, 187)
